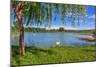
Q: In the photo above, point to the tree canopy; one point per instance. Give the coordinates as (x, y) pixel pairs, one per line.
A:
(38, 12)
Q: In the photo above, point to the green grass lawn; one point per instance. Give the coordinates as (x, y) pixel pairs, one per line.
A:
(56, 54)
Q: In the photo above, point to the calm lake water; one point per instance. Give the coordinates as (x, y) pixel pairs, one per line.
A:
(51, 39)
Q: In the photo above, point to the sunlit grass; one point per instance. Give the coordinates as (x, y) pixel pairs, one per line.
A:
(56, 54)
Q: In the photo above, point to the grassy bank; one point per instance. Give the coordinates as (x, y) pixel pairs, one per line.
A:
(57, 54)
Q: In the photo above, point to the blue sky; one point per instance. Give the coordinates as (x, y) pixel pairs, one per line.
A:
(88, 24)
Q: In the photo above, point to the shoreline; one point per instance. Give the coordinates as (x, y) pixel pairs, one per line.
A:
(91, 39)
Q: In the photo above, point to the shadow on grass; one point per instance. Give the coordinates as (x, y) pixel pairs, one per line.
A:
(32, 49)
(88, 50)
(15, 50)
(37, 50)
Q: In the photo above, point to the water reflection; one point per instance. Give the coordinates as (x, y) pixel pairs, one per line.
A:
(50, 39)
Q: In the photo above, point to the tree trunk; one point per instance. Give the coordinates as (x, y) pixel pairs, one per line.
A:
(21, 28)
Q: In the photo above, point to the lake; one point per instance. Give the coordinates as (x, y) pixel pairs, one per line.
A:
(51, 39)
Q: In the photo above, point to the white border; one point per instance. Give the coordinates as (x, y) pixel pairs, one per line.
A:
(5, 33)
(84, 2)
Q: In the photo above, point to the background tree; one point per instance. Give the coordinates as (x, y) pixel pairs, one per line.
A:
(61, 29)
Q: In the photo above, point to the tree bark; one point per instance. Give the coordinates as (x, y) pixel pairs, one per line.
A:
(21, 28)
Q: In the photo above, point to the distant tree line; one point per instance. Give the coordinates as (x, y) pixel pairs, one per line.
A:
(61, 29)
(30, 29)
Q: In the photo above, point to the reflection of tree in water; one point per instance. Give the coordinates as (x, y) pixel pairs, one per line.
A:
(94, 34)
(15, 40)
(29, 42)
(61, 38)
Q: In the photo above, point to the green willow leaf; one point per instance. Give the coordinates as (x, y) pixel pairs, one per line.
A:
(42, 13)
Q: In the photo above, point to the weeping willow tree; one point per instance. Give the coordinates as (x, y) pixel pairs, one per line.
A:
(28, 13)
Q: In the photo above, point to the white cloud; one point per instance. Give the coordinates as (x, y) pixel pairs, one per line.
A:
(86, 15)
(69, 14)
(92, 16)
(80, 28)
